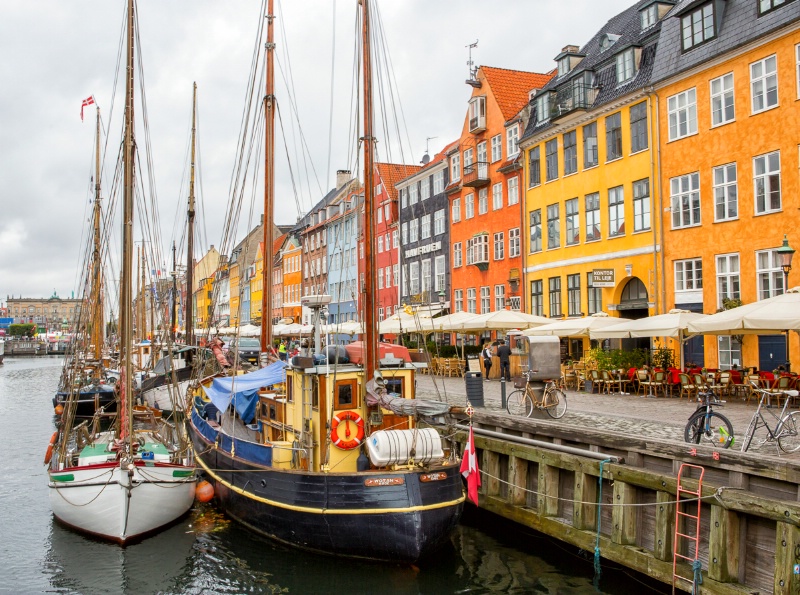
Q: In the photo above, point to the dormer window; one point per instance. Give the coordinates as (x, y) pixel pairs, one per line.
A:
(767, 5)
(626, 65)
(542, 107)
(698, 26)
(512, 140)
(649, 16)
(477, 114)
(568, 59)
(607, 40)
(563, 66)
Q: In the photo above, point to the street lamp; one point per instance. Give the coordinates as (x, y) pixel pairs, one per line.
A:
(441, 297)
(785, 253)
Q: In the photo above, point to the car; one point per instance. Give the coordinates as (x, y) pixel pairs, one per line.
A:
(248, 349)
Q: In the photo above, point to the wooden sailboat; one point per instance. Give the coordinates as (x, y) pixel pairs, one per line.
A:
(332, 458)
(126, 482)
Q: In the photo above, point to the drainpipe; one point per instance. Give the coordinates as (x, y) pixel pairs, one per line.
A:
(658, 244)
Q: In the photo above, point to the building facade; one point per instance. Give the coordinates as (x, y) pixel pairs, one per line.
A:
(53, 314)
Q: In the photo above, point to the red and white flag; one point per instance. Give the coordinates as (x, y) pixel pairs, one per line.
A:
(469, 468)
(86, 102)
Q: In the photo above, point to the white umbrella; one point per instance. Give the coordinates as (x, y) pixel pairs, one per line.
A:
(775, 314)
(351, 327)
(451, 322)
(501, 320)
(402, 323)
(576, 327)
(249, 330)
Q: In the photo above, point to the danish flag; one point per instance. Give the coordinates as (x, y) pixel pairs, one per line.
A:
(86, 102)
(469, 468)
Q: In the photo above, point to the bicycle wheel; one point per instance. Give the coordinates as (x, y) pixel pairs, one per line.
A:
(789, 438)
(554, 402)
(748, 435)
(712, 428)
(519, 403)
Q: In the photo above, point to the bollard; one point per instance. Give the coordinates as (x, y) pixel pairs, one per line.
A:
(503, 392)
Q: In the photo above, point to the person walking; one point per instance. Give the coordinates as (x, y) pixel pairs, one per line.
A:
(282, 350)
(504, 353)
(486, 353)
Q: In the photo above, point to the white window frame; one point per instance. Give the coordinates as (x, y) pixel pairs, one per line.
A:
(455, 211)
(769, 275)
(425, 227)
(764, 178)
(722, 94)
(497, 196)
(438, 182)
(483, 201)
(439, 272)
(625, 65)
(572, 221)
(797, 68)
(514, 247)
(472, 300)
(469, 206)
(426, 277)
(486, 299)
(425, 188)
(388, 276)
(725, 184)
(499, 245)
(688, 275)
(685, 187)
(404, 229)
(413, 194)
(380, 244)
(499, 297)
(729, 352)
(641, 206)
(592, 216)
(403, 198)
(395, 239)
(497, 147)
(455, 167)
(395, 274)
(760, 83)
(513, 190)
(512, 140)
(728, 277)
(682, 114)
(616, 212)
(413, 277)
(458, 298)
(457, 255)
(438, 222)
(413, 231)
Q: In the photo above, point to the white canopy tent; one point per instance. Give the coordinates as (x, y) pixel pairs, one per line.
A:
(500, 320)
(576, 327)
(772, 315)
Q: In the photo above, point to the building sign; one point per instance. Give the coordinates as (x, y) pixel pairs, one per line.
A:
(432, 247)
(603, 278)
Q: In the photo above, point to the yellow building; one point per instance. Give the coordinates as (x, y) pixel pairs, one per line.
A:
(202, 286)
(256, 286)
(728, 119)
(593, 237)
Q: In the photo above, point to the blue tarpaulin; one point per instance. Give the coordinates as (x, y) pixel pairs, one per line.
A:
(242, 390)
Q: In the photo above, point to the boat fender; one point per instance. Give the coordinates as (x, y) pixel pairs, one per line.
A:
(349, 442)
(49, 452)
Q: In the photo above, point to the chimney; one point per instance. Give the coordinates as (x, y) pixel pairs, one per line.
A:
(342, 177)
(571, 49)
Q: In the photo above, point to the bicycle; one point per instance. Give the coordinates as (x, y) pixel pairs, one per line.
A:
(707, 424)
(525, 400)
(787, 427)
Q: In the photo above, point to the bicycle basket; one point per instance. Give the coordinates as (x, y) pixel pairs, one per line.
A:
(520, 382)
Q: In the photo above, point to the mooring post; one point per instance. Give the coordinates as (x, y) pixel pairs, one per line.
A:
(503, 392)
(723, 545)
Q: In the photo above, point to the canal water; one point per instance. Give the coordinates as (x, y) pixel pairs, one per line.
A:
(206, 553)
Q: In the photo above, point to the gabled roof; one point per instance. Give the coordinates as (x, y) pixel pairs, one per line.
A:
(391, 173)
(511, 87)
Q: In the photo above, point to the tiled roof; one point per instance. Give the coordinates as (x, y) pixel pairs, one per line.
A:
(511, 87)
(391, 173)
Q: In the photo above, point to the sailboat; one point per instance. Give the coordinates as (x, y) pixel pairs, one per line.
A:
(336, 458)
(125, 482)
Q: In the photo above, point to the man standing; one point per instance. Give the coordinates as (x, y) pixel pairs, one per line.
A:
(486, 353)
(504, 353)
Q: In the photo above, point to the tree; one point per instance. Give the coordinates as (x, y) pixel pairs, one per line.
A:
(22, 330)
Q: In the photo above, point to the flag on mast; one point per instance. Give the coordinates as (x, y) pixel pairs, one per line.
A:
(469, 468)
(86, 102)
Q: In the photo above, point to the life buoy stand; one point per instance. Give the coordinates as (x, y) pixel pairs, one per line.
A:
(49, 452)
(348, 442)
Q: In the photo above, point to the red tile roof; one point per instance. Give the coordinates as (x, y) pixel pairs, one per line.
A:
(511, 87)
(391, 173)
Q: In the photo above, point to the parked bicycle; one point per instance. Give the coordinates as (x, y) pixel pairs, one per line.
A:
(787, 426)
(523, 401)
(708, 425)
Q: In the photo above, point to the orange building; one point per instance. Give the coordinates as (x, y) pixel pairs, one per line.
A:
(291, 256)
(485, 192)
(728, 120)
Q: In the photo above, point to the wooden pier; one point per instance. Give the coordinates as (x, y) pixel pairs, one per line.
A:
(750, 518)
(25, 347)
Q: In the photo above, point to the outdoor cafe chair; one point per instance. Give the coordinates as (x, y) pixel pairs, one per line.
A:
(643, 381)
(623, 382)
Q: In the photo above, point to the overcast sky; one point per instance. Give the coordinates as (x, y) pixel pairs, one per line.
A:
(56, 53)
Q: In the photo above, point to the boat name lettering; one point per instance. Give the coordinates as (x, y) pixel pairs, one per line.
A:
(439, 476)
(423, 249)
(384, 481)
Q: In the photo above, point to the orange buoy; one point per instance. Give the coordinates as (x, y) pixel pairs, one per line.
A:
(49, 452)
(59, 409)
(204, 492)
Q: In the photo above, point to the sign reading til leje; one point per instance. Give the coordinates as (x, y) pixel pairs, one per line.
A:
(603, 278)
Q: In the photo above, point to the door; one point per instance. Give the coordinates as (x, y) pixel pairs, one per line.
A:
(771, 352)
(693, 351)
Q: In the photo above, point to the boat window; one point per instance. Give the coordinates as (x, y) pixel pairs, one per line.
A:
(394, 386)
(346, 391)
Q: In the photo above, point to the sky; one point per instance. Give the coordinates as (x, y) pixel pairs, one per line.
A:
(55, 54)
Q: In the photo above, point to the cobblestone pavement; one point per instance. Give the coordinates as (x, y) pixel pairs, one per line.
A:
(630, 414)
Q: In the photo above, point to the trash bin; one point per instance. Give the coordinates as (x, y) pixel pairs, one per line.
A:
(474, 382)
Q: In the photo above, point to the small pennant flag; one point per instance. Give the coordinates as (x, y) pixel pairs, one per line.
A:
(469, 469)
(86, 102)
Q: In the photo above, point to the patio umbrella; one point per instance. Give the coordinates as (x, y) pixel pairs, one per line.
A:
(772, 315)
(402, 323)
(249, 330)
(501, 320)
(451, 322)
(351, 327)
(576, 327)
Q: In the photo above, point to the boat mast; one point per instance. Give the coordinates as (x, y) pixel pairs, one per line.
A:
(174, 317)
(269, 188)
(126, 297)
(142, 298)
(97, 318)
(368, 291)
(190, 234)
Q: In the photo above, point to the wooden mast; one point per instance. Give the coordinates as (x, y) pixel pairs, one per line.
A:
(269, 188)
(190, 234)
(370, 327)
(96, 300)
(174, 313)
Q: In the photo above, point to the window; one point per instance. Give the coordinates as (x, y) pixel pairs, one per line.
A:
(764, 84)
(403, 197)
(682, 114)
(499, 297)
(641, 205)
(395, 275)
(727, 278)
(497, 147)
(413, 277)
(425, 188)
(698, 26)
(573, 222)
(767, 182)
(497, 196)
(438, 182)
(456, 210)
(458, 294)
(513, 191)
(534, 168)
(395, 241)
(570, 152)
(457, 254)
(553, 227)
(797, 52)
(438, 222)
(573, 295)
(478, 249)
(455, 167)
(468, 159)
(404, 229)
(769, 274)
(626, 65)
(595, 296)
(425, 224)
(413, 230)
(593, 217)
(616, 212)
(555, 296)
(649, 16)
(477, 114)
(537, 298)
(469, 206)
(438, 265)
(426, 275)
(513, 242)
(722, 105)
(726, 202)
(380, 281)
(767, 5)
(380, 244)
(483, 201)
(472, 301)
(590, 157)
(536, 230)
(730, 352)
(685, 200)
(638, 116)
(551, 159)
(614, 136)
(688, 274)
(542, 107)
(380, 215)
(388, 274)
(499, 245)
(413, 194)
(486, 300)
(512, 140)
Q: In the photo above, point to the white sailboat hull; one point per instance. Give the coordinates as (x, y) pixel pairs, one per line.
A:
(161, 397)
(109, 502)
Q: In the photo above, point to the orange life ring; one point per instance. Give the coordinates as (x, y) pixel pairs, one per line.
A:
(348, 443)
(49, 452)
